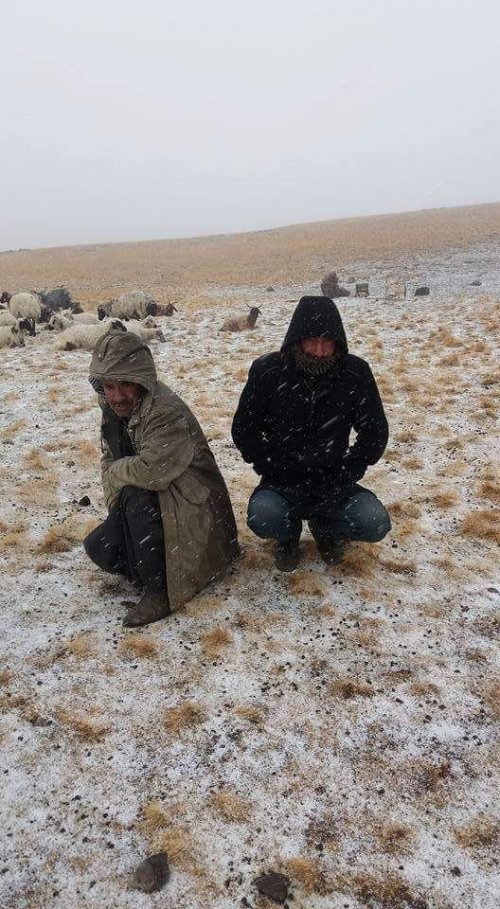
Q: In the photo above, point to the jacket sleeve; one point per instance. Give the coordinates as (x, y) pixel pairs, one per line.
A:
(372, 431)
(110, 493)
(167, 449)
(250, 420)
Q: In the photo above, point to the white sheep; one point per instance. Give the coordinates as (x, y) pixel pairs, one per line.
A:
(85, 337)
(85, 318)
(59, 321)
(12, 335)
(133, 305)
(25, 305)
(239, 323)
(6, 317)
(145, 332)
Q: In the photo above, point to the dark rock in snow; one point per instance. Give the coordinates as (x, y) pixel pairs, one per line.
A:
(270, 289)
(476, 283)
(422, 291)
(152, 874)
(274, 886)
(84, 501)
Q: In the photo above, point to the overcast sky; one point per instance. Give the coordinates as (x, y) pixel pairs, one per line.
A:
(138, 120)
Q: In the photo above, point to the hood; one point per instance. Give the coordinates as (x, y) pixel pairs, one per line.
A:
(316, 317)
(122, 357)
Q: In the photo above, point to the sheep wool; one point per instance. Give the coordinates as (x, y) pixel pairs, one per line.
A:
(25, 305)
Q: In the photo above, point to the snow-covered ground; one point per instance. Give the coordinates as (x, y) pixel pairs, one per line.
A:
(335, 724)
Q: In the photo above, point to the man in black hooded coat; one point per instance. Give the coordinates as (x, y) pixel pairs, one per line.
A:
(293, 423)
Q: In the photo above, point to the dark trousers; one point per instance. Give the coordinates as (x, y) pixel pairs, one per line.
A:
(358, 516)
(130, 541)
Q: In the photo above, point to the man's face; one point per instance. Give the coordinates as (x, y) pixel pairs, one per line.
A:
(318, 347)
(122, 397)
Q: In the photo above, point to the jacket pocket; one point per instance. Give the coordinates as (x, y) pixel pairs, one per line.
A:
(191, 489)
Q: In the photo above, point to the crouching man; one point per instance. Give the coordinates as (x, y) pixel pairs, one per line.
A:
(293, 423)
(170, 528)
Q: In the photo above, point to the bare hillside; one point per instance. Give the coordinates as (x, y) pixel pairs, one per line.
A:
(297, 254)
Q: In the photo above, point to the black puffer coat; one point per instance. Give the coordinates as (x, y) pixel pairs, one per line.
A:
(295, 429)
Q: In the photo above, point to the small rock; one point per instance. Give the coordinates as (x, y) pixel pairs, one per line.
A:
(70, 463)
(274, 885)
(270, 289)
(152, 874)
(84, 501)
(422, 291)
(476, 283)
(455, 871)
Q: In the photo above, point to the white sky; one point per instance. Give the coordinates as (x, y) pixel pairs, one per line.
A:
(135, 120)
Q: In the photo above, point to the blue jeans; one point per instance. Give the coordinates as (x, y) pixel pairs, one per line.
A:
(359, 517)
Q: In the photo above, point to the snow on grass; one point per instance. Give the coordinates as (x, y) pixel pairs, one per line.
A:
(337, 724)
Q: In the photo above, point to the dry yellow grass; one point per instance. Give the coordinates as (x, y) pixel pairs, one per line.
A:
(351, 688)
(481, 831)
(12, 429)
(61, 537)
(184, 716)
(154, 818)
(89, 726)
(13, 535)
(253, 715)
(482, 523)
(138, 646)
(307, 873)
(395, 837)
(231, 807)
(307, 584)
(215, 641)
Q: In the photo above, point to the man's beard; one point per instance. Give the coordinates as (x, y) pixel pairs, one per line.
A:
(314, 366)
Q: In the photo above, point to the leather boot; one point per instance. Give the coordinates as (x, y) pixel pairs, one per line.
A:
(286, 555)
(331, 551)
(152, 607)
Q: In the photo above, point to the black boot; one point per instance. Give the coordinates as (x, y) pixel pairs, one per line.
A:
(287, 555)
(331, 551)
(152, 607)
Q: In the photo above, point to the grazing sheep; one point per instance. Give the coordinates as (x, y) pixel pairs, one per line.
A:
(5, 298)
(239, 323)
(147, 334)
(331, 288)
(13, 335)
(84, 318)
(25, 305)
(85, 337)
(6, 317)
(133, 305)
(163, 309)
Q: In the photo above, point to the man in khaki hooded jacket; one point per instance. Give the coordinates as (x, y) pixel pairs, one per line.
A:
(170, 527)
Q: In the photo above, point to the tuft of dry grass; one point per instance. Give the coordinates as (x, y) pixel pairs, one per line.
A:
(36, 460)
(177, 842)
(82, 645)
(13, 535)
(482, 523)
(253, 715)
(184, 716)
(307, 584)
(154, 818)
(215, 641)
(443, 498)
(491, 697)
(480, 832)
(40, 492)
(138, 645)
(89, 727)
(10, 431)
(489, 486)
(64, 536)
(307, 872)
(387, 891)
(394, 837)
(398, 566)
(231, 807)
(351, 688)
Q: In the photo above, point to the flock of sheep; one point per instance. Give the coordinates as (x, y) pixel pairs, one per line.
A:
(20, 313)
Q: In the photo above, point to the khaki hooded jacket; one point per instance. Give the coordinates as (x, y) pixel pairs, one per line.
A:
(171, 458)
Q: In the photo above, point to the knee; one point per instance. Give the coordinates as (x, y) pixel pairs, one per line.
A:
(370, 520)
(138, 501)
(377, 526)
(267, 511)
